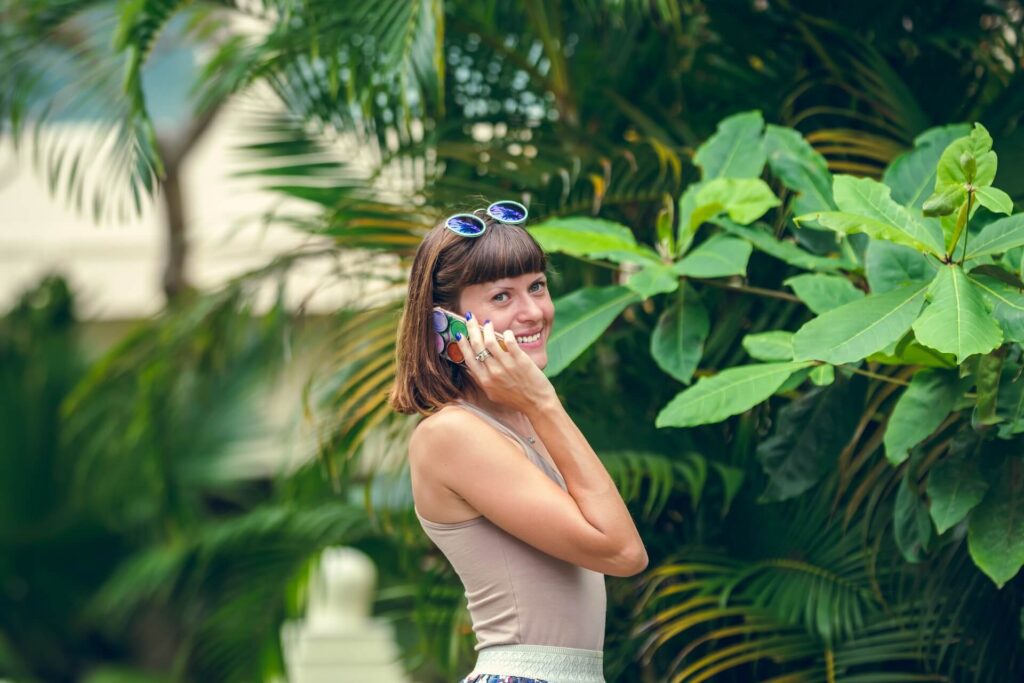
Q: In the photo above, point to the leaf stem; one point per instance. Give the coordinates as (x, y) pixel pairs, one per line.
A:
(875, 375)
(771, 293)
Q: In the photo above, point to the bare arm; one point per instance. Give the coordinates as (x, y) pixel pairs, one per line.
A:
(588, 481)
(592, 512)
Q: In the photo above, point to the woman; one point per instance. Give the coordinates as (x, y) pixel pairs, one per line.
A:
(503, 481)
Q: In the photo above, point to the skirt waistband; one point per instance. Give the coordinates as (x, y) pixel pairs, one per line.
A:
(546, 662)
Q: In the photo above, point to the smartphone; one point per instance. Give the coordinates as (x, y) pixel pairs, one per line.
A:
(446, 324)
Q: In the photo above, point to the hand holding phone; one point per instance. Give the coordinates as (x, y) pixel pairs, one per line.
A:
(446, 325)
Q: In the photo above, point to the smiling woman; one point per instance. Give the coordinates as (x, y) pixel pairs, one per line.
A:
(503, 481)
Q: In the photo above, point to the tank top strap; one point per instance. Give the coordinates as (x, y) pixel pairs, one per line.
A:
(532, 453)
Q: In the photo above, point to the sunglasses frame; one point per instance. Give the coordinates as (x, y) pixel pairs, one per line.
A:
(474, 216)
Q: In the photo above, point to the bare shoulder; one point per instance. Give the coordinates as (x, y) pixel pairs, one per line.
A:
(448, 434)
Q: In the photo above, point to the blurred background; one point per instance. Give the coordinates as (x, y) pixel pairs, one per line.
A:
(207, 212)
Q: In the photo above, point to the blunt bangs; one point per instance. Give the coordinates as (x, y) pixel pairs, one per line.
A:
(503, 251)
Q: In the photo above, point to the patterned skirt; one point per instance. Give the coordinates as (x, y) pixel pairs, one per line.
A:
(536, 664)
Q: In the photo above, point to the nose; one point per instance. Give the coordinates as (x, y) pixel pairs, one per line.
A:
(530, 310)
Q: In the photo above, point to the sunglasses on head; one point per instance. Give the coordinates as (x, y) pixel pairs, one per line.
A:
(471, 225)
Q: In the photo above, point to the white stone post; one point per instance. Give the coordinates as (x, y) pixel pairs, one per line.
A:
(338, 641)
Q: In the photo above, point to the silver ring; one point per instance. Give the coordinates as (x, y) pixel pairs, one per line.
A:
(483, 355)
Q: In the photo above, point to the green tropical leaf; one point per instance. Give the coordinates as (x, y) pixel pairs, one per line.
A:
(720, 256)
(654, 279)
(1010, 399)
(921, 408)
(775, 345)
(979, 145)
(955, 487)
(865, 206)
(736, 150)
(911, 525)
(823, 375)
(912, 175)
(823, 292)
(995, 532)
(744, 199)
(785, 251)
(730, 392)
(994, 199)
(811, 432)
(582, 317)
(592, 237)
(997, 237)
(956, 320)
(678, 339)
(857, 329)
(800, 168)
(689, 222)
(889, 265)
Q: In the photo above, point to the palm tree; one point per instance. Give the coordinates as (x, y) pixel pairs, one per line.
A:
(581, 108)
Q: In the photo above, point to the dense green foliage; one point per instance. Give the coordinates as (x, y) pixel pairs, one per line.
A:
(826, 478)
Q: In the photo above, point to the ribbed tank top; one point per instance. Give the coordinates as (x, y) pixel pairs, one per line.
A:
(516, 593)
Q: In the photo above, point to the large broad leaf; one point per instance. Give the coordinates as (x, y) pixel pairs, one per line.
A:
(860, 328)
(955, 486)
(720, 256)
(995, 535)
(744, 199)
(800, 168)
(581, 318)
(889, 265)
(978, 144)
(823, 292)
(1007, 305)
(653, 279)
(997, 237)
(811, 433)
(788, 252)
(592, 237)
(866, 206)
(678, 340)
(769, 346)
(730, 392)
(957, 320)
(736, 150)
(919, 411)
(912, 175)
(911, 525)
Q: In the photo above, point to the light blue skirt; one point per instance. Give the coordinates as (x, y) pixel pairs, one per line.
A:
(536, 664)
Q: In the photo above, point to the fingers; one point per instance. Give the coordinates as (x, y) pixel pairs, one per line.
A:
(491, 342)
(472, 345)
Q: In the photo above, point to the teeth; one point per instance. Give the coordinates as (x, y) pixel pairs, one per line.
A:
(528, 340)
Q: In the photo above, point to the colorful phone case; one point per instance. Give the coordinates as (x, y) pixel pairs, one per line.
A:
(446, 324)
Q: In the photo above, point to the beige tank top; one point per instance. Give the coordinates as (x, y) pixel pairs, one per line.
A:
(516, 593)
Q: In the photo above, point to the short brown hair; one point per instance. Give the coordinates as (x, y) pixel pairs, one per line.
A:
(445, 263)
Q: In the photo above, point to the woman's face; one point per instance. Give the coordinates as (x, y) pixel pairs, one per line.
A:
(521, 304)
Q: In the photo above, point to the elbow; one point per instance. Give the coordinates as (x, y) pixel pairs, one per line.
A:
(629, 562)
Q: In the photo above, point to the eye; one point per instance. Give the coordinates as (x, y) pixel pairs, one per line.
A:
(500, 294)
(538, 286)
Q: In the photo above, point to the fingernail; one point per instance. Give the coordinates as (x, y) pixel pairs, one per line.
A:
(469, 316)
(486, 322)
(458, 336)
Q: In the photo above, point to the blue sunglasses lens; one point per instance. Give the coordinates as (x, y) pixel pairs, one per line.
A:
(466, 225)
(507, 212)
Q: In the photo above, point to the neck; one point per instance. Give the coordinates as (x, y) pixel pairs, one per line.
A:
(479, 398)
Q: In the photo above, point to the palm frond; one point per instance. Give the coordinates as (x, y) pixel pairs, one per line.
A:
(58, 70)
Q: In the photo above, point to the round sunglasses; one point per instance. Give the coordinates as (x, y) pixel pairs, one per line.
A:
(471, 225)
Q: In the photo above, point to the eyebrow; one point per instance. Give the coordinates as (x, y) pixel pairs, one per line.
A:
(542, 278)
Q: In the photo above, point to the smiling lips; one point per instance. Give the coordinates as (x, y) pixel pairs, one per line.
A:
(529, 339)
